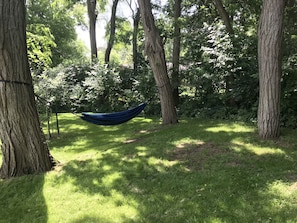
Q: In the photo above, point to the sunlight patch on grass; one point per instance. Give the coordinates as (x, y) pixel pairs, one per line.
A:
(141, 119)
(75, 127)
(184, 142)
(161, 165)
(281, 189)
(230, 128)
(111, 178)
(110, 128)
(122, 139)
(280, 198)
(102, 209)
(258, 150)
(141, 151)
(67, 202)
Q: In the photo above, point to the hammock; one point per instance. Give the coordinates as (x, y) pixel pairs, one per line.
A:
(114, 118)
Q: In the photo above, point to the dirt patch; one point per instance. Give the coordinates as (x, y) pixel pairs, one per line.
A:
(194, 150)
(201, 155)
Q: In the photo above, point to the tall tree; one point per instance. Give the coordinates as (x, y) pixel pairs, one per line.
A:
(224, 15)
(136, 19)
(176, 52)
(154, 49)
(23, 146)
(92, 13)
(229, 28)
(270, 35)
(112, 31)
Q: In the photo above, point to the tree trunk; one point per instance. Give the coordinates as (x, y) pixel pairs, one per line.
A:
(155, 51)
(91, 4)
(136, 19)
(270, 35)
(23, 146)
(227, 20)
(224, 15)
(176, 52)
(112, 31)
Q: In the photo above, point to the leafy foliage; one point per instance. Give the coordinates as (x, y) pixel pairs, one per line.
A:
(40, 42)
(52, 23)
(94, 88)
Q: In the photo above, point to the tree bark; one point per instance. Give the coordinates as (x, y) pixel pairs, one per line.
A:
(176, 52)
(112, 31)
(270, 35)
(91, 4)
(224, 15)
(154, 49)
(136, 19)
(24, 147)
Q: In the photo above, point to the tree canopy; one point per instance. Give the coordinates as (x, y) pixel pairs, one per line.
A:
(52, 38)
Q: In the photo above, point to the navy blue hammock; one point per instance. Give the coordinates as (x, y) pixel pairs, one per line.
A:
(114, 118)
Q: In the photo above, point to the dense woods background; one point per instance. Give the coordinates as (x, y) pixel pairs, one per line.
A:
(217, 73)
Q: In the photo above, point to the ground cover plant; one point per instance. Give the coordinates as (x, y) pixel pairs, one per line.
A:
(196, 171)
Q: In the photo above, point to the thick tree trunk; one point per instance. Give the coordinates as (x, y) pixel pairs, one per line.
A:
(112, 31)
(23, 146)
(176, 52)
(270, 35)
(155, 51)
(91, 4)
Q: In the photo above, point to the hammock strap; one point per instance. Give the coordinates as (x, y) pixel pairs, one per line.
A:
(15, 82)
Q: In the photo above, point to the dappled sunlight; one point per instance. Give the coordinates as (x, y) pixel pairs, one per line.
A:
(194, 170)
(111, 178)
(184, 141)
(110, 128)
(141, 151)
(161, 165)
(73, 127)
(141, 119)
(229, 128)
(116, 207)
(282, 189)
(258, 150)
(101, 183)
(280, 199)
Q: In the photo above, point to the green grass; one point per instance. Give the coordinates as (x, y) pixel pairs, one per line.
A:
(141, 172)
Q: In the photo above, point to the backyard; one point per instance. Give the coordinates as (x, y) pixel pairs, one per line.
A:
(140, 171)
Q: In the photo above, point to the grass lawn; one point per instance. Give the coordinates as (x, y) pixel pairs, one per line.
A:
(141, 172)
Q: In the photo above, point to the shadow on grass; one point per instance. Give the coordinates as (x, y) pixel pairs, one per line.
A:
(208, 177)
(22, 200)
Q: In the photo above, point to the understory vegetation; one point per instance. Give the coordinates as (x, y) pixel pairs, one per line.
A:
(200, 170)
